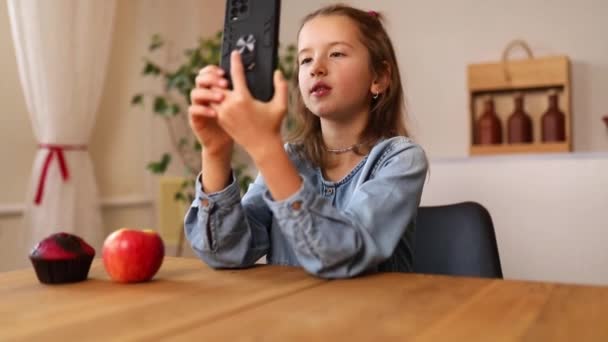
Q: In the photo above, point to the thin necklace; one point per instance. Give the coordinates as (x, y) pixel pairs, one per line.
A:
(343, 150)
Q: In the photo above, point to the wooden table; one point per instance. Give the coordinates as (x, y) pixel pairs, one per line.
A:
(188, 301)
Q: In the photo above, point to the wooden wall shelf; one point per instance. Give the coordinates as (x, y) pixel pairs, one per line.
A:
(520, 148)
(534, 78)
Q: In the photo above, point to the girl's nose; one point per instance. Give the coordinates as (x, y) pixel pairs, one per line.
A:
(318, 69)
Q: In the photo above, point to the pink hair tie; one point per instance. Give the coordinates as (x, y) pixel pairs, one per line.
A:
(373, 13)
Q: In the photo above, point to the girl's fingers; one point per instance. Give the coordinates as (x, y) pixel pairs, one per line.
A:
(210, 76)
(237, 72)
(198, 110)
(208, 80)
(281, 92)
(212, 69)
(203, 96)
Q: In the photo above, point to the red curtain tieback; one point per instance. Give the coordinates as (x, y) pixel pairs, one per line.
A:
(55, 150)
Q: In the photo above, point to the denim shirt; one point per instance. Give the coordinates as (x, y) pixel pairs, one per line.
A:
(362, 223)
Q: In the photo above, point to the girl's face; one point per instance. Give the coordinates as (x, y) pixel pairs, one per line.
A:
(335, 77)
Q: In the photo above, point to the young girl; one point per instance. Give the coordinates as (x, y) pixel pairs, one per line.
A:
(341, 198)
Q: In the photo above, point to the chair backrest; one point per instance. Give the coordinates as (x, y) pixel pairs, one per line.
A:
(456, 239)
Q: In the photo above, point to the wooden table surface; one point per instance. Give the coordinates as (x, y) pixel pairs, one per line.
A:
(188, 301)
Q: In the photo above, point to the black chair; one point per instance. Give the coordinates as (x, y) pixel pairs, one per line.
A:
(456, 239)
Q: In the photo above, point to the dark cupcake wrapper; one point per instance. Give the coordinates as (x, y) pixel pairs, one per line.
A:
(62, 271)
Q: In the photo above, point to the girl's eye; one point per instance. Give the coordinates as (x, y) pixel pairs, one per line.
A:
(336, 54)
(305, 60)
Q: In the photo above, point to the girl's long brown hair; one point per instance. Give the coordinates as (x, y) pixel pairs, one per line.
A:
(387, 113)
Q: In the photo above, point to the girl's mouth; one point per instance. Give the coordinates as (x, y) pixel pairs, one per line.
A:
(320, 89)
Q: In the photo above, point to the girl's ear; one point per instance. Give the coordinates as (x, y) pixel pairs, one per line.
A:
(382, 80)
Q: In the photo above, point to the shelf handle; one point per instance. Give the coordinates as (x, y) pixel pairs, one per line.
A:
(507, 51)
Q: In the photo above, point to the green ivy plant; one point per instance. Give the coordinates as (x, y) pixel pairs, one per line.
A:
(171, 104)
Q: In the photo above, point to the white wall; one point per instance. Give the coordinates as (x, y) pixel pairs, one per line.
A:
(15, 129)
(17, 148)
(550, 212)
(292, 13)
(436, 39)
(549, 227)
(125, 139)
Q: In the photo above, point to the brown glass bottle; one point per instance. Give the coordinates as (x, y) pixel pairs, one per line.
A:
(553, 122)
(488, 128)
(519, 125)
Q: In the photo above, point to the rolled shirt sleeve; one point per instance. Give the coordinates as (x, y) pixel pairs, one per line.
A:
(222, 232)
(334, 243)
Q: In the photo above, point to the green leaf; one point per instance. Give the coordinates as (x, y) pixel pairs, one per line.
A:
(290, 122)
(185, 184)
(137, 99)
(151, 69)
(179, 196)
(190, 197)
(182, 143)
(160, 166)
(209, 44)
(244, 183)
(175, 109)
(243, 179)
(160, 105)
(196, 59)
(180, 80)
(156, 42)
(214, 55)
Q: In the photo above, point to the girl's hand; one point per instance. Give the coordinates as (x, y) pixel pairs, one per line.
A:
(251, 123)
(209, 90)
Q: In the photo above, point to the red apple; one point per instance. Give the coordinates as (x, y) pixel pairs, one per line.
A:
(132, 255)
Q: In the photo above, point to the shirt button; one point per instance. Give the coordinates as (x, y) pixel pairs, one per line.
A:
(205, 202)
(329, 191)
(297, 205)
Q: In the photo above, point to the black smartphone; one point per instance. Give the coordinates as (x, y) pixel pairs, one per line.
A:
(252, 28)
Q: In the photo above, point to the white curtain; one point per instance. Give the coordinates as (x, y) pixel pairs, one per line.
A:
(62, 49)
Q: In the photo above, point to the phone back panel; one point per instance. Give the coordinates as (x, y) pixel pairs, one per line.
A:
(252, 27)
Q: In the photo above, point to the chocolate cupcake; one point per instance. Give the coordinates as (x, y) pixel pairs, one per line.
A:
(62, 258)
